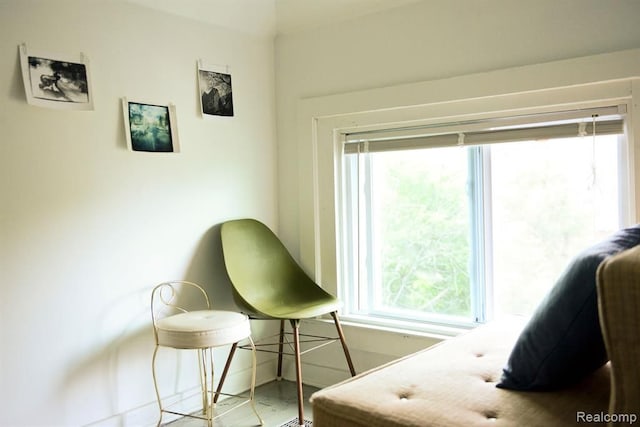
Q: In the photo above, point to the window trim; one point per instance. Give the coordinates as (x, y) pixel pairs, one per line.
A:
(323, 121)
(479, 175)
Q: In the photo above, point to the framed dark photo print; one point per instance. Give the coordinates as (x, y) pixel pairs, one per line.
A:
(56, 82)
(150, 127)
(216, 94)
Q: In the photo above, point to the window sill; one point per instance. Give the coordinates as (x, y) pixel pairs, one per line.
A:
(401, 327)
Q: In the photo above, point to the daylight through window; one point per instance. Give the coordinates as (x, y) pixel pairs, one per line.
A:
(460, 223)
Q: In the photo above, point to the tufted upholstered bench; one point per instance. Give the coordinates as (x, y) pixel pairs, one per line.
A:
(454, 382)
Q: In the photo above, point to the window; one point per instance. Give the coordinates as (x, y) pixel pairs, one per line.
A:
(459, 223)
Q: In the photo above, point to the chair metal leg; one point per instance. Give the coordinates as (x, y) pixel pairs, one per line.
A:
(280, 351)
(155, 383)
(254, 367)
(224, 372)
(295, 324)
(209, 391)
(334, 314)
(206, 383)
(202, 366)
(253, 377)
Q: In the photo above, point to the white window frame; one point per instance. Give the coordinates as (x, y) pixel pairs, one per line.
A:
(571, 84)
(355, 159)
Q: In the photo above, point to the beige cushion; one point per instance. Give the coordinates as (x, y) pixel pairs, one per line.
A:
(202, 329)
(454, 384)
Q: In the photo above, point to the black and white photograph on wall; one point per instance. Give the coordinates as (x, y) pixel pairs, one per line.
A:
(215, 91)
(150, 127)
(55, 82)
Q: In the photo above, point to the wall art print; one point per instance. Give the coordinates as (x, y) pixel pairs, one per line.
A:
(150, 127)
(216, 95)
(54, 81)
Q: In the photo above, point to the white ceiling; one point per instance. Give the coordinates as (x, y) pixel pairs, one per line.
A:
(295, 15)
(272, 17)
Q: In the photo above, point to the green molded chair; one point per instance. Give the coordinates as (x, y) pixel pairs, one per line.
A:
(269, 284)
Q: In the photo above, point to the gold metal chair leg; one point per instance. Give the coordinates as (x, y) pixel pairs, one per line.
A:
(253, 377)
(209, 391)
(155, 383)
(295, 324)
(254, 367)
(344, 343)
(202, 366)
(206, 364)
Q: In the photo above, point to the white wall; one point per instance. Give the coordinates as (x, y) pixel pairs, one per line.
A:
(88, 227)
(432, 40)
(429, 52)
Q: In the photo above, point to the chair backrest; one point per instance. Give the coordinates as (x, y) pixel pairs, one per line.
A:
(262, 271)
(174, 297)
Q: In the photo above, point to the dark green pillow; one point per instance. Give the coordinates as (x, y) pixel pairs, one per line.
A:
(562, 343)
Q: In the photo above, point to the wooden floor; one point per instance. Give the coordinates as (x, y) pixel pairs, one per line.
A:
(276, 403)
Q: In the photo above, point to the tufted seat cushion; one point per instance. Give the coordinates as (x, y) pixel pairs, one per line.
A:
(454, 384)
(202, 329)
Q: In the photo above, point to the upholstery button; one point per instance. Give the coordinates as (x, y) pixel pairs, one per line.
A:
(404, 395)
(491, 416)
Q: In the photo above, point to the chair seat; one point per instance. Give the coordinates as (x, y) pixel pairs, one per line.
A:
(202, 329)
(305, 310)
